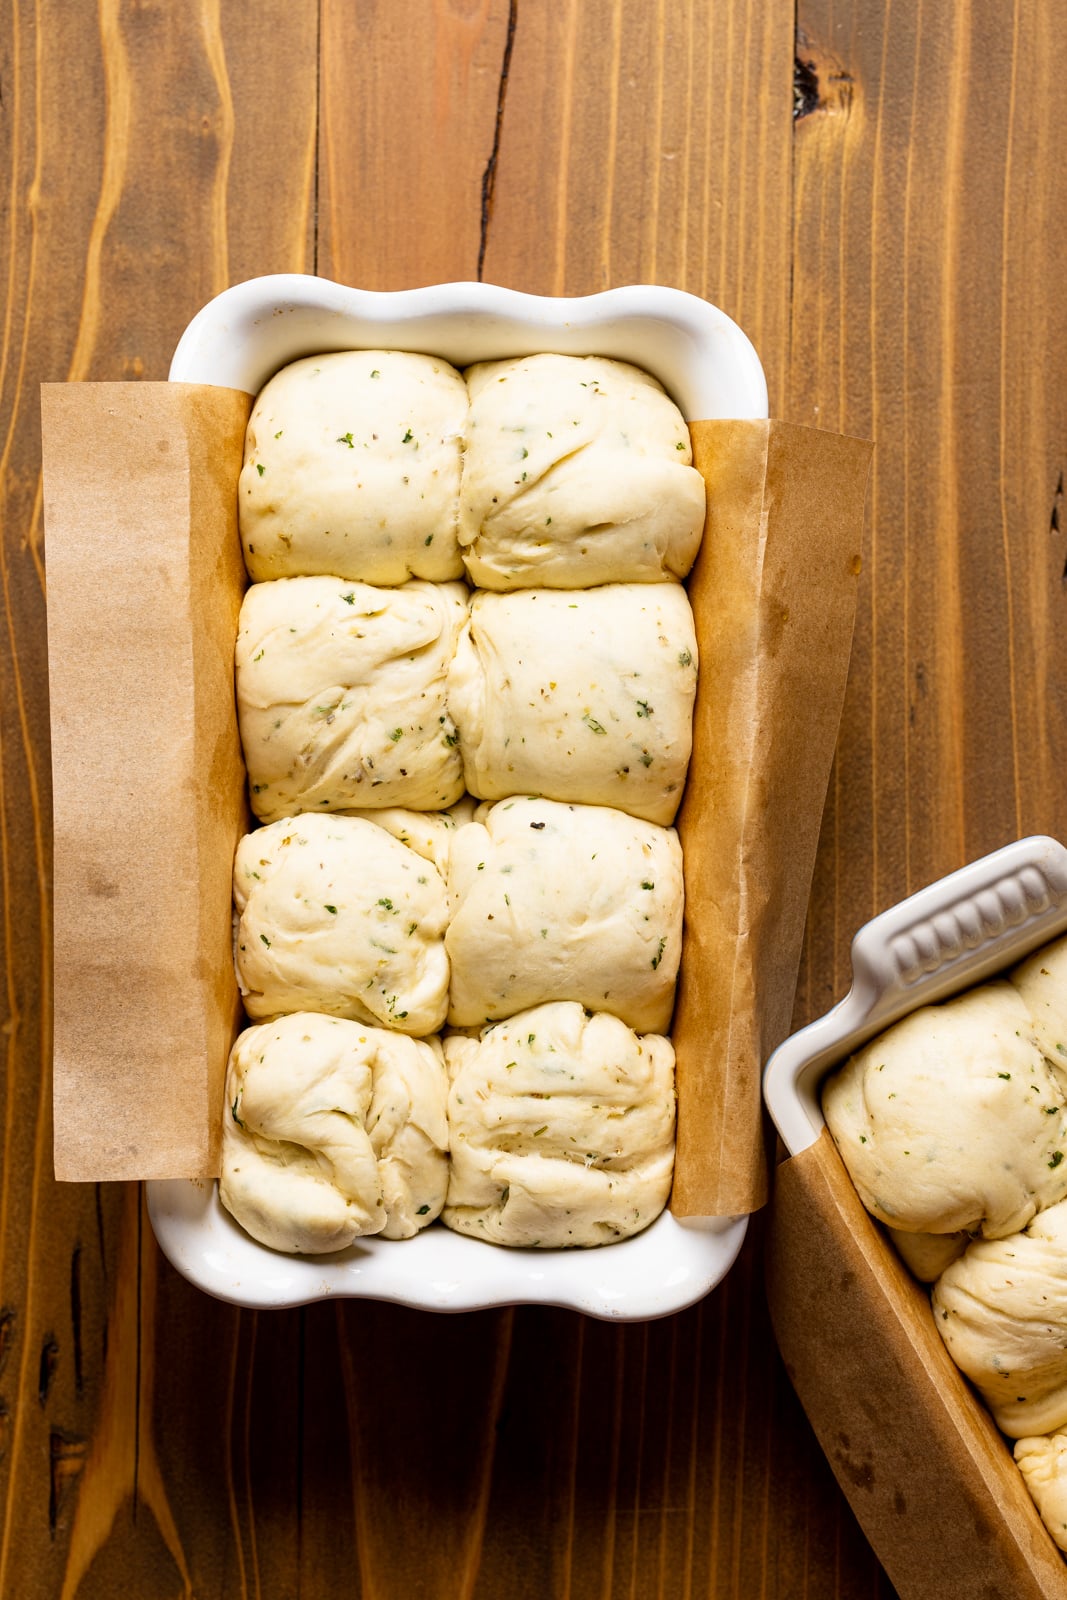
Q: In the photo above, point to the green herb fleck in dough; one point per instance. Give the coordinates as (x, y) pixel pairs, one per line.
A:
(644, 709)
(658, 957)
(260, 468)
(346, 438)
(397, 733)
(350, 598)
(332, 910)
(645, 759)
(539, 1131)
(407, 437)
(685, 658)
(1057, 1157)
(421, 1212)
(647, 885)
(265, 940)
(376, 373)
(593, 725)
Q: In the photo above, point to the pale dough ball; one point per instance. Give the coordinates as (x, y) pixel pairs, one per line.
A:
(1002, 1312)
(428, 833)
(578, 471)
(341, 695)
(562, 902)
(951, 1119)
(583, 695)
(408, 1127)
(562, 1129)
(1042, 982)
(298, 1170)
(1042, 1460)
(352, 468)
(333, 1131)
(336, 915)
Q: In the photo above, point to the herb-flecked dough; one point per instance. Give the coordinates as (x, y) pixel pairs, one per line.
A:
(375, 901)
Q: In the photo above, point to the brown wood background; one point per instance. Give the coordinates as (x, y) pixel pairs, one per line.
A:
(897, 254)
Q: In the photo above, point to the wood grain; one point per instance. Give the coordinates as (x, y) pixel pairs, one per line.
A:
(650, 144)
(409, 110)
(895, 255)
(928, 313)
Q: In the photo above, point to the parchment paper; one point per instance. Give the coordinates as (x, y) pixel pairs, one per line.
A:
(144, 584)
(145, 580)
(774, 595)
(929, 1477)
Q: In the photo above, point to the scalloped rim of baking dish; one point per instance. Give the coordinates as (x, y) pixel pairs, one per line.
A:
(955, 933)
(238, 340)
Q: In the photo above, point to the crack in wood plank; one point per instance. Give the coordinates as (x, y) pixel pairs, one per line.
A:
(489, 175)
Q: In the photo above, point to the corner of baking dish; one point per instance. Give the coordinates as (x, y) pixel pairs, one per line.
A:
(952, 934)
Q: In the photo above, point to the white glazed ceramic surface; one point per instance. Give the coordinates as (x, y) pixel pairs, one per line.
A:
(709, 367)
(951, 935)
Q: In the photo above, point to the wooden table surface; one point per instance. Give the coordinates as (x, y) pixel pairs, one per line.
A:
(881, 201)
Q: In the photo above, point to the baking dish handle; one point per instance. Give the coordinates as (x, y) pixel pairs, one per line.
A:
(954, 933)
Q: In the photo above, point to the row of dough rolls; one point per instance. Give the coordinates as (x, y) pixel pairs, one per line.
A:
(953, 1126)
(552, 1129)
(375, 907)
(353, 697)
(550, 934)
(544, 471)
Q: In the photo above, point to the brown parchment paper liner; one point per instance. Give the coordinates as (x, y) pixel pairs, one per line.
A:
(931, 1480)
(774, 596)
(145, 579)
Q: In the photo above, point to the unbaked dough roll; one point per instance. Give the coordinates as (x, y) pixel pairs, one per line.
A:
(336, 915)
(1002, 1312)
(408, 1127)
(333, 1131)
(352, 468)
(430, 834)
(1042, 981)
(341, 695)
(562, 902)
(562, 1128)
(952, 1119)
(582, 695)
(578, 471)
(1042, 1460)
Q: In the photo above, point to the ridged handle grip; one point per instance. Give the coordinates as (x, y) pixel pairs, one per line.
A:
(953, 934)
(960, 924)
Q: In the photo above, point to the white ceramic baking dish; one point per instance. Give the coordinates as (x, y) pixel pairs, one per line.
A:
(709, 367)
(955, 933)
